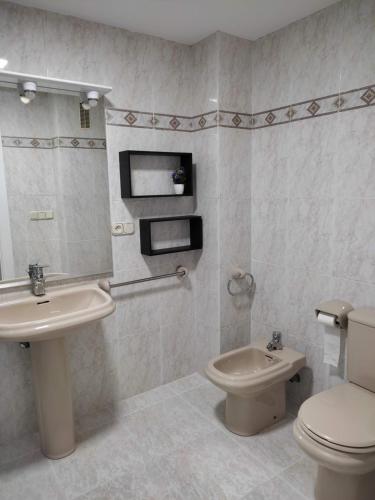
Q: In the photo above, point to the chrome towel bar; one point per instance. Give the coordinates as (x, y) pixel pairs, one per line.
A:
(181, 272)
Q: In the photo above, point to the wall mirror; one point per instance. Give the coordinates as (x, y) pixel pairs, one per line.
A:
(54, 198)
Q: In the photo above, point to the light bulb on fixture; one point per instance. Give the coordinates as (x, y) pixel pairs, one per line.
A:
(85, 105)
(90, 99)
(27, 91)
(3, 63)
(24, 99)
(93, 103)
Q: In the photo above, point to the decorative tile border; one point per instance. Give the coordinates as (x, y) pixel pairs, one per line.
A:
(144, 119)
(53, 142)
(312, 108)
(26, 142)
(363, 97)
(177, 123)
(231, 119)
(80, 142)
(315, 108)
(205, 121)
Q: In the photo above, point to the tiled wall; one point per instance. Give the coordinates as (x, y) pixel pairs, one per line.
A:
(312, 179)
(234, 171)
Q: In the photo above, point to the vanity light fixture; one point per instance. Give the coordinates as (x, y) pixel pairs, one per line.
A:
(27, 91)
(3, 63)
(90, 99)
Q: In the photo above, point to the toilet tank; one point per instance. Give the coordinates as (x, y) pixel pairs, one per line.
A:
(361, 348)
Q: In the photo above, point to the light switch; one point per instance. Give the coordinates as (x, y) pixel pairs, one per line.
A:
(128, 227)
(42, 215)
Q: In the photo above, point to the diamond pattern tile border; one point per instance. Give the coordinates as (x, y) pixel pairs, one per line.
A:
(363, 97)
(311, 108)
(53, 142)
(314, 108)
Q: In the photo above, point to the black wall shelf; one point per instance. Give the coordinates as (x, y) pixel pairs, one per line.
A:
(185, 161)
(196, 235)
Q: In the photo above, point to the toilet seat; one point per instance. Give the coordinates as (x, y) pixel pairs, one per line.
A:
(338, 460)
(341, 418)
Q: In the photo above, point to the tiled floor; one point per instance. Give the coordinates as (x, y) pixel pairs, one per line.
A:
(168, 443)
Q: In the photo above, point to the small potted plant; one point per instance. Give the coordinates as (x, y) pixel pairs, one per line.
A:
(179, 179)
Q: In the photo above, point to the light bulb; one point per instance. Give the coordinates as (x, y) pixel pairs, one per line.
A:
(27, 91)
(92, 103)
(85, 105)
(29, 94)
(89, 99)
(92, 98)
(24, 99)
(3, 63)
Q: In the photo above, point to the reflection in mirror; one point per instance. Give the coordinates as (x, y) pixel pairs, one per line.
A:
(54, 201)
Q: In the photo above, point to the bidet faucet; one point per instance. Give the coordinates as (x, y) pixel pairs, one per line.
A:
(275, 343)
(38, 282)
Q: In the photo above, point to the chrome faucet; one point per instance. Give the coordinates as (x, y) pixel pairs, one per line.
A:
(275, 343)
(38, 282)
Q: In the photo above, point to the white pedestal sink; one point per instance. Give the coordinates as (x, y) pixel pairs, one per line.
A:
(44, 322)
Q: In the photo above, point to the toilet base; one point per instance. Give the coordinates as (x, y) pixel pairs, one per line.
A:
(331, 485)
(249, 415)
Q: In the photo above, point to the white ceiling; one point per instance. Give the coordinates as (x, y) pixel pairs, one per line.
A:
(188, 21)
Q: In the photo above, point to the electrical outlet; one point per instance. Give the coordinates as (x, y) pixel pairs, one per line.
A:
(117, 229)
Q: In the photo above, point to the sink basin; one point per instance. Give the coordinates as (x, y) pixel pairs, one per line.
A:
(44, 322)
(49, 316)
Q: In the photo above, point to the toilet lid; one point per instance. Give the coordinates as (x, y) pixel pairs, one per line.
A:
(343, 416)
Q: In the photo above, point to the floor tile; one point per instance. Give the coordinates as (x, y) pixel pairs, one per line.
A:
(166, 426)
(19, 448)
(144, 400)
(217, 466)
(105, 454)
(92, 421)
(187, 383)
(144, 483)
(275, 445)
(276, 489)
(302, 477)
(29, 478)
(209, 400)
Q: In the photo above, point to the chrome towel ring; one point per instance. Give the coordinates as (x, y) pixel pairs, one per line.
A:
(240, 275)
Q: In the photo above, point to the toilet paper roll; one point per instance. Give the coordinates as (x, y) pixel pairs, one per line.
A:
(327, 319)
(332, 339)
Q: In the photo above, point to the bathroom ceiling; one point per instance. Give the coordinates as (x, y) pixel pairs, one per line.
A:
(188, 21)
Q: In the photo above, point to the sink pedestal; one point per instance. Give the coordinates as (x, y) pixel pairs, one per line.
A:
(44, 322)
(53, 397)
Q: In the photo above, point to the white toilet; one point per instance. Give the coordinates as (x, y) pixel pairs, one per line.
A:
(336, 428)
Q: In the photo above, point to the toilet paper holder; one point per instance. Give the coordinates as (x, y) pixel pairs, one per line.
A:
(337, 308)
